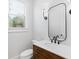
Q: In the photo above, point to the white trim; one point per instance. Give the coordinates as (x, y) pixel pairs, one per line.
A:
(12, 30)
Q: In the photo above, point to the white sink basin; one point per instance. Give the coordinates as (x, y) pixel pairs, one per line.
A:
(61, 50)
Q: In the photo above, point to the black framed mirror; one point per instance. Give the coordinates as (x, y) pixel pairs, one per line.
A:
(57, 21)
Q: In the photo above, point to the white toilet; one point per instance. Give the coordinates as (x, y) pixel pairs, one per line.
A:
(27, 54)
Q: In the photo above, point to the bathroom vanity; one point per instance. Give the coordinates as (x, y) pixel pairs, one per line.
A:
(46, 50)
(40, 53)
(53, 48)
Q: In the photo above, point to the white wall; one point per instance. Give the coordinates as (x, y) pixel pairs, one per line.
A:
(20, 41)
(40, 26)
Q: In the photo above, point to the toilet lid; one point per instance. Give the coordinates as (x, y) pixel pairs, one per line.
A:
(27, 52)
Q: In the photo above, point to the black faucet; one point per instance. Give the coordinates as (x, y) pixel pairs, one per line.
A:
(56, 37)
(52, 39)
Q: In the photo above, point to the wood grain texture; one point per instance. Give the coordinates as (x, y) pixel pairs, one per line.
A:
(40, 53)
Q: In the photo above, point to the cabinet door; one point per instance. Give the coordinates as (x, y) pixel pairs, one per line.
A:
(36, 53)
(40, 53)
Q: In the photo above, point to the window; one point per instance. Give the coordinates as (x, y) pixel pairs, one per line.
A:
(16, 13)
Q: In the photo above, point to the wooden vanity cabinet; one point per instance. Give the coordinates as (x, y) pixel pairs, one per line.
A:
(40, 53)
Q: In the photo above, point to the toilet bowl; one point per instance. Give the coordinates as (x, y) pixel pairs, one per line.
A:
(27, 54)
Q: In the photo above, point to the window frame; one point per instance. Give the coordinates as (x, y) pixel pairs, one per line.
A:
(18, 29)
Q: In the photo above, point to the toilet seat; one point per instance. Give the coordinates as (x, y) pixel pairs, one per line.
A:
(26, 53)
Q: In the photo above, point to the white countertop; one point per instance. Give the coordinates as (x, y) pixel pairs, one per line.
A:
(61, 50)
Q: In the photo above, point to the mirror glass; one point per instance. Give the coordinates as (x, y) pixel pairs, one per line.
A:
(57, 21)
